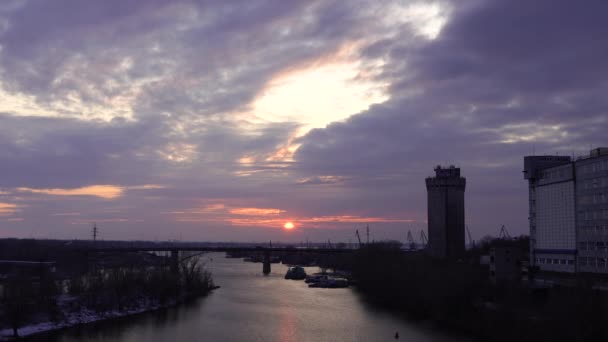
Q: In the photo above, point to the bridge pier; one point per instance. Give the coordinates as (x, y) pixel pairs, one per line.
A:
(266, 265)
(174, 262)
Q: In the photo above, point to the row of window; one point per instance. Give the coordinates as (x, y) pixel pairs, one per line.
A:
(594, 214)
(594, 167)
(598, 229)
(550, 261)
(593, 245)
(553, 174)
(593, 199)
(582, 261)
(592, 261)
(594, 183)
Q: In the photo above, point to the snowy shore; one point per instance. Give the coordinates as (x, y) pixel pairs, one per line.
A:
(77, 318)
(84, 316)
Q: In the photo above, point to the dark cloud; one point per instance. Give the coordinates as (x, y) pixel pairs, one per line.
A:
(157, 92)
(502, 79)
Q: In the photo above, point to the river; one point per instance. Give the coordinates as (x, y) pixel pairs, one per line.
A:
(252, 307)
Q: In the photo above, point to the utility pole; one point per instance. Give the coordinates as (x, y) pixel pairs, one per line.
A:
(94, 232)
(368, 234)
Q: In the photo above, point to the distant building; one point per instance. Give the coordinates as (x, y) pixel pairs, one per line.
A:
(506, 263)
(445, 193)
(568, 214)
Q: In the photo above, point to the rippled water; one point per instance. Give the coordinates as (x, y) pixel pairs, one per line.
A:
(253, 307)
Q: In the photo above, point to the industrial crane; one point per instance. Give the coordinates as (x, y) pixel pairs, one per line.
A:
(358, 237)
(504, 234)
(423, 239)
(410, 241)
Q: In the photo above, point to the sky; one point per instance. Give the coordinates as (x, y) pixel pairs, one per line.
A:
(223, 120)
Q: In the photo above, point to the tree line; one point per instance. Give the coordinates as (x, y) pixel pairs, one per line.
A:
(458, 296)
(29, 300)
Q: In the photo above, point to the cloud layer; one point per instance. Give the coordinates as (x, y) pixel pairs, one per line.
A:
(142, 116)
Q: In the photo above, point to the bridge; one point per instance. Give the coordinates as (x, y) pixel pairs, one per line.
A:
(176, 248)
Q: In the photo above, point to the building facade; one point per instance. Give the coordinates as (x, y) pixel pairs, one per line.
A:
(507, 263)
(445, 205)
(568, 212)
(592, 212)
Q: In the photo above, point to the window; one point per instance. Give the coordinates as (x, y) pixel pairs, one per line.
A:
(570, 262)
(562, 261)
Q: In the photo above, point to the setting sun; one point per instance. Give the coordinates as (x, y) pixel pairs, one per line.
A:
(288, 226)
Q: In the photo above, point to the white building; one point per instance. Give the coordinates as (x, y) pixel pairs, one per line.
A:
(568, 212)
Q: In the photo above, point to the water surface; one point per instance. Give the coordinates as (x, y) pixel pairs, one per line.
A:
(252, 307)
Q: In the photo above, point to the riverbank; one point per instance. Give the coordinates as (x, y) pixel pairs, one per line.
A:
(48, 304)
(458, 297)
(87, 316)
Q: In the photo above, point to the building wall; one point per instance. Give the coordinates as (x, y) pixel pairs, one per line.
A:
(445, 205)
(556, 219)
(437, 216)
(592, 214)
(456, 222)
(555, 216)
(505, 264)
(574, 194)
(533, 168)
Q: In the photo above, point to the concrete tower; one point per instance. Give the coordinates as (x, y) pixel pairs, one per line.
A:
(446, 212)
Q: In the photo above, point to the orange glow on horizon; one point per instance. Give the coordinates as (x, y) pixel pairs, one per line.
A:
(101, 191)
(312, 222)
(7, 208)
(256, 211)
(268, 217)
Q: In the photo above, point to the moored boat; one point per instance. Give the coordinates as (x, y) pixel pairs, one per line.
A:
(295, 273)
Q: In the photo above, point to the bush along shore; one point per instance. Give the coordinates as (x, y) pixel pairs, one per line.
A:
(29, 308)
(457, 296)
